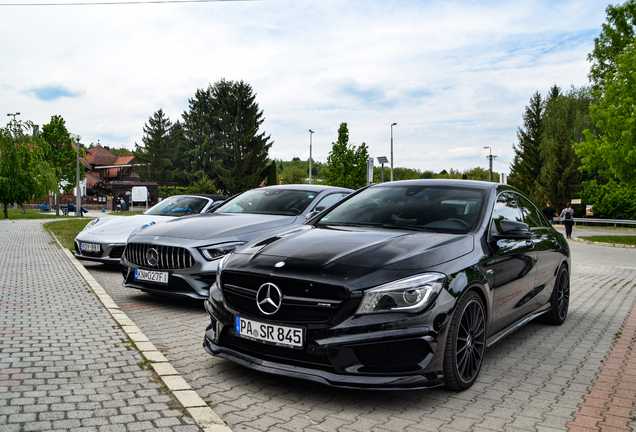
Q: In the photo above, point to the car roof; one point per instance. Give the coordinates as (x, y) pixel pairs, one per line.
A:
(212, 197)
(306, 187)
(475, 184)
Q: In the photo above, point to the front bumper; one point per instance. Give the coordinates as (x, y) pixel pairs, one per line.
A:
(109, 253)
(190, 283)
(358, 353)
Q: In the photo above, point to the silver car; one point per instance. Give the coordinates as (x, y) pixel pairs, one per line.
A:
(104, 239)
(180, 257)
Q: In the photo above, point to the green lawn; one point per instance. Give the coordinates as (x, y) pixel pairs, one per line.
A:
(607, 228)
(625, 240)
(30, 214)
(66, 230)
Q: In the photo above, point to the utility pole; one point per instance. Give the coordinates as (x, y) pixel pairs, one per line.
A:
(490, 158)
(311, 133)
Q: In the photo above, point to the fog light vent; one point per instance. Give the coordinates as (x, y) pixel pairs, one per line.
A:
(392, 354)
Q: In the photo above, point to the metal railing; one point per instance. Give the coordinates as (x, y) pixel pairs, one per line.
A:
(591, 221)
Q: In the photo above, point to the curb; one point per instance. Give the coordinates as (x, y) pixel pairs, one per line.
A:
(201, 413)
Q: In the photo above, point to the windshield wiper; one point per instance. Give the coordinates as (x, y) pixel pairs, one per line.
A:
(407, 227)
(353, 224)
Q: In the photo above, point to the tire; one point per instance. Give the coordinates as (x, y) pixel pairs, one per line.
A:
(465, 343)
(559, 300)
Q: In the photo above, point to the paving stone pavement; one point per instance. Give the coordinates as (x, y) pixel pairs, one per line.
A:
(65, 364)
(535, 380)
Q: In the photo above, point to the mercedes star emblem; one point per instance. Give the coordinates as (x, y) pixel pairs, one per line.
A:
(152, 256)
(269, 298)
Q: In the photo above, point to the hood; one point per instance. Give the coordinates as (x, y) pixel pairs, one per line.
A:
(113, 225)
(216, 225)
(343, 255)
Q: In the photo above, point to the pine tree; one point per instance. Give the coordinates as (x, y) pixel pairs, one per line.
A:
(526, 166)
(242, 149)
(158, 153)
(565, 118)
(223, 139)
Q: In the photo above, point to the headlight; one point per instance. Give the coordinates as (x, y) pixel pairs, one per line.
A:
(219, 269)
(144, 226)
(90, 224)
(412, 294)
(212, 252)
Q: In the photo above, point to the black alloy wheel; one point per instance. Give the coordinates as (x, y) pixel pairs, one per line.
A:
(465, 343)
(560, 299)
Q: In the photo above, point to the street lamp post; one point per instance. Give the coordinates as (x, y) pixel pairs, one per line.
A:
(392, 124)
(14, 115)
(78, 201)
(311, 133)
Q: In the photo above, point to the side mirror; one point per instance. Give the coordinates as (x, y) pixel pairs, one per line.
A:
(513, 230)
(311, 214)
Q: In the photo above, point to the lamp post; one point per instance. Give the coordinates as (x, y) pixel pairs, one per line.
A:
(392, 124)
(78, 201)
(311, 133)
(14, 115)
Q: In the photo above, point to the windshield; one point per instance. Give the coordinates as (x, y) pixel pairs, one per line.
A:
(267, 201)
(425, 208)
(178, 206)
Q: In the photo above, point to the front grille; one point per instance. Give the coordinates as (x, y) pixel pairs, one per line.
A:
(395, 354)
(117, 251)
(303, 302)
(169, 257)
(310, 355)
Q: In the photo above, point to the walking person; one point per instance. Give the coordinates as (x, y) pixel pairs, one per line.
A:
(568, 220)
(550, 212)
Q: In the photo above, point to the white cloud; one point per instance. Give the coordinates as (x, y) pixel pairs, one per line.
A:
(454, 75)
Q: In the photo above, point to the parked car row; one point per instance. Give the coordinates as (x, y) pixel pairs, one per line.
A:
(399, 285)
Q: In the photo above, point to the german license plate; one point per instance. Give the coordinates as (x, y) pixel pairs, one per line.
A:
(89, 247)
(291, 337)
(151, 276)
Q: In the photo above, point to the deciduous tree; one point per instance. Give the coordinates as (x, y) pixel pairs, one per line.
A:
(618, 32)
(346, 164)
(60, 154)
(24, 172)
(612, 150)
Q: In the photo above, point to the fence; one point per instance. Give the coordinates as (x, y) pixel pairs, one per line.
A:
(615, 222)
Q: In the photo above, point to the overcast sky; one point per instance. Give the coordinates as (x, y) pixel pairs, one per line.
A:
(454, 75)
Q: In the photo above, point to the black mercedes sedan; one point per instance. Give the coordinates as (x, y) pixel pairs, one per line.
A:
(402, 285)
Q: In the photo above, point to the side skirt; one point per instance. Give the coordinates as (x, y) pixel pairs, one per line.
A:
(516, 326)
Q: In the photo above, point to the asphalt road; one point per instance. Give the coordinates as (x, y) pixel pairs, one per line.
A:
(533, 380)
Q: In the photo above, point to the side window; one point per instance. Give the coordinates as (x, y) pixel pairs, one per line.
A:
(531, 214)
(328, 201)
(506, 208)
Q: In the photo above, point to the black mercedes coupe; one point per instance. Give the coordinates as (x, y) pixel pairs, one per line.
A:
(402, 285)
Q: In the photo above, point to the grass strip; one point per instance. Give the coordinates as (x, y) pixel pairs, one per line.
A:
(624, 240)
(66, 230)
